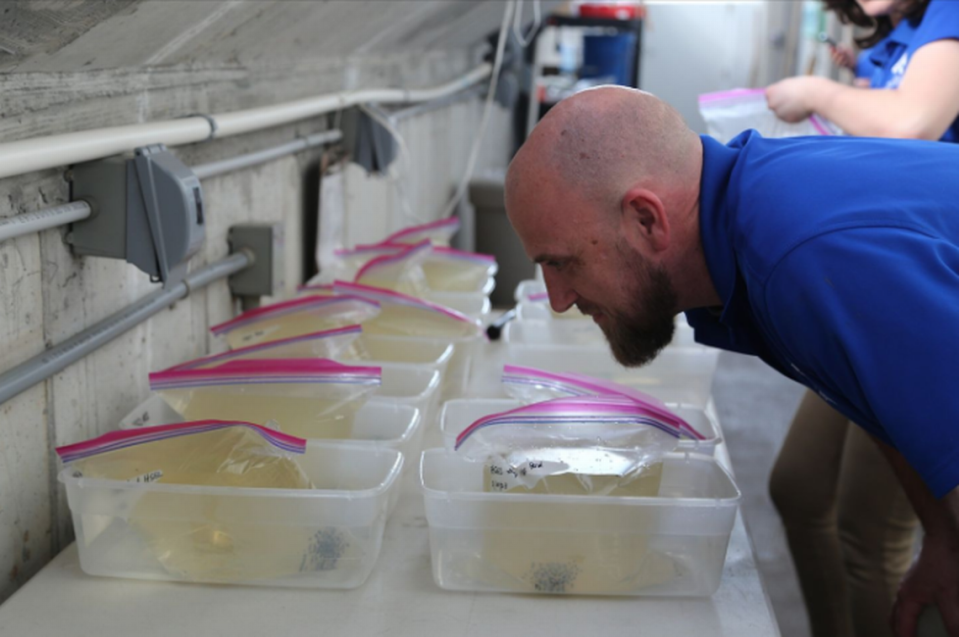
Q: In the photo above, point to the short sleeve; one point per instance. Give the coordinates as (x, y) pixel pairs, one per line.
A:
(940, 22)
(873, 315)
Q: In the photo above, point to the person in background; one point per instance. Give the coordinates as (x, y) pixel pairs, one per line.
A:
(915, 54)
(834, 260)
(860, 64)
(849, 524)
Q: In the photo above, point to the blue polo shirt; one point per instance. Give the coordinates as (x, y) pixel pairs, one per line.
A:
(892, 55)
(864, 66)
(837, 262)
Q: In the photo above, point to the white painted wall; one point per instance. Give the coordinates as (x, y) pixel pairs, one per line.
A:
(692, 47)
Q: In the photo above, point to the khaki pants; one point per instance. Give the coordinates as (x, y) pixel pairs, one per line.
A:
(849, 524)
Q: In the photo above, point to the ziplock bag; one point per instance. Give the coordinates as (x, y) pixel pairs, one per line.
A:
(347, 262)
(532, 385)
(205, 452)
(728, 113)
(405, 315)
(572, 446)
(543, 297)
(438, 232)
(327, 344)
(204, 538)
(401, 271)
(310, 398)
(299, 316)
(451, 270)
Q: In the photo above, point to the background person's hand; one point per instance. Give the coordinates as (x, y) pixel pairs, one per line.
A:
(843, 56)
(788, 98)
(933, 579)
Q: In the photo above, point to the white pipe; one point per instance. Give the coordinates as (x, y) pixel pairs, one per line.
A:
(30, 222)
(19, 225)
(39, 153)
(265, 117)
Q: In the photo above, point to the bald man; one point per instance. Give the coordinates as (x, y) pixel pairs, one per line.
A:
(772, 249)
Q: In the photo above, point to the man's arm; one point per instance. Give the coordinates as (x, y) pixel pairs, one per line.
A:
(934, 578)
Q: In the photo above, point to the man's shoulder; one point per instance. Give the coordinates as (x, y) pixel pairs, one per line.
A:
(784, 193)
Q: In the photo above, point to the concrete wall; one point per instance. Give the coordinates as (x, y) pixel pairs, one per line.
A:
(110, 67)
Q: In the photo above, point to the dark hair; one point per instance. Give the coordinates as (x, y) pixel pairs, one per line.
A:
(849, 11)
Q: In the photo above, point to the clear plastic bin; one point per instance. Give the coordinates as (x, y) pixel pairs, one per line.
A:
(379, 423)
(457, 375)
(681, 375)
(581, 333)
(528, 287)
(459, 414)
(671, 545)
(412, 385)
(535, 325)
(327, 537)
(398, 349)
(473, 305)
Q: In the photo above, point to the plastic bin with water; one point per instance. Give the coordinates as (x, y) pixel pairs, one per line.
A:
(678, 375)
(326, 537)
(671, 545)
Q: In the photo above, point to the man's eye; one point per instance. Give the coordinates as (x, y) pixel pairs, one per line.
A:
(556, 265)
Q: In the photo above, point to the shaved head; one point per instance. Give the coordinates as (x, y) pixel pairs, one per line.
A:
(604, 195)
(601, 141)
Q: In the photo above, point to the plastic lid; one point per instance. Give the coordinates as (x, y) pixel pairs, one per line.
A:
(611, 10)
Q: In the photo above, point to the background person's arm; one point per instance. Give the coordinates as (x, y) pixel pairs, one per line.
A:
(923, 107)
(934, 578)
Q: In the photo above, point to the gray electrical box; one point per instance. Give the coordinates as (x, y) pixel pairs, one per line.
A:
(265, 276)
(147, 209)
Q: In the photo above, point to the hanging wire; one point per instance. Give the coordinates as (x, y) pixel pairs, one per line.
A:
(487, 109)
(397, 176)
(525, 41)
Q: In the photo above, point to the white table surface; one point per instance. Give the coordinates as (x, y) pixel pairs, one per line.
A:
(399, 599)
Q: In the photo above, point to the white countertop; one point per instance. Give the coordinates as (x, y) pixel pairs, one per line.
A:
(399, 598)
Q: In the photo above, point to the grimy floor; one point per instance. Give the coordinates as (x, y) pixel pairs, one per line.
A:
(756, 405)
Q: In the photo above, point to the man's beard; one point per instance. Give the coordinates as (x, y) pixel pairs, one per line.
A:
(637, 335)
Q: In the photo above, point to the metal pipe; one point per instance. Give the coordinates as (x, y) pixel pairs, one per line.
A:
(267, 154)
(39, 153)
(28, 222)
(57, 358)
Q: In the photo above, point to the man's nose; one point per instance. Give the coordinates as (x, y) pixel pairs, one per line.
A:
(561, 295)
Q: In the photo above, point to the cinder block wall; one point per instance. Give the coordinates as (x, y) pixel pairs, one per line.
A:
(81, 65)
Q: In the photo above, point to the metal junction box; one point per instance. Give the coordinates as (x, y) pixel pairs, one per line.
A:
(147, 210)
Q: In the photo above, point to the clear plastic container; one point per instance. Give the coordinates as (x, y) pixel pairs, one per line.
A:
(681, 375)
(326, 537)
(460, 413)
(528, 287)
(535, 325)
(412, 385)
(456, 373)
(398, 349)
(379, 423)
(473, 305)
(583, 333)
(670, 545)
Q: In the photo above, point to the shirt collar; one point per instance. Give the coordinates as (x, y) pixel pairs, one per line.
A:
(715, 220)
(900, 36)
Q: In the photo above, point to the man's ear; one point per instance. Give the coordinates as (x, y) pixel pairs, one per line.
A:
(644, 221)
